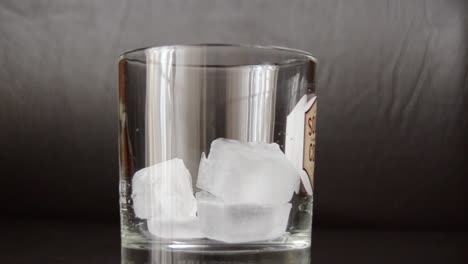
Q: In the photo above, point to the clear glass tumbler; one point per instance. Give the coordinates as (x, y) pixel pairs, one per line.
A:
(217, 154)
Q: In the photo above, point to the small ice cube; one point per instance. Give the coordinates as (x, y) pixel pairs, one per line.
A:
(240, 223)
(203, 179)
(254, 173)
(175, 229)
(164, 192)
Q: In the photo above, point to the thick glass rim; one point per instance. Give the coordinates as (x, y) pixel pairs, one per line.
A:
(300, 55)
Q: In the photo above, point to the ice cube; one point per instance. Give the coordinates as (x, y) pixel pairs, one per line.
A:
(175, 229)
(240, 223)
(203, 178)
(164, 192)
(253, 173)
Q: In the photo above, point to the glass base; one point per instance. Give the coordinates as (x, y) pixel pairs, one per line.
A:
(249, 254)
(292, 248)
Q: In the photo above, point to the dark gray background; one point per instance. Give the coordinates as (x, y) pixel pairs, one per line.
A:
(392, 85)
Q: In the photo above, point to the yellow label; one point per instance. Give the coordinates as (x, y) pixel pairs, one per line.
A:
(309, 139)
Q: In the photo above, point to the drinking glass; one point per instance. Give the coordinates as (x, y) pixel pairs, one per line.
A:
(217, 154)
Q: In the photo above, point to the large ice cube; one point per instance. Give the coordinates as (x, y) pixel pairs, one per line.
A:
(164, 192)
(253, 173)
(175, 229)
(239, 223)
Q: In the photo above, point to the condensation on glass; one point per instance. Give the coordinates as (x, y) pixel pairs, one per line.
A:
(216, 147)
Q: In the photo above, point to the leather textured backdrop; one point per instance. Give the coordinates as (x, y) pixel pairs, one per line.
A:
(392, 84)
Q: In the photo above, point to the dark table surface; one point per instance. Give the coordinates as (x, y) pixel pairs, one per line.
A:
(40, 241)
